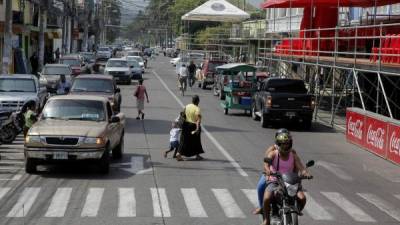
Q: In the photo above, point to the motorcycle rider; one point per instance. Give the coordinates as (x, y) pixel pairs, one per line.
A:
(279, 158)
(29, 116)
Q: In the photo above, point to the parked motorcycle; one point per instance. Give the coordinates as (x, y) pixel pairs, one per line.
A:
(8, 130)
(284, 206)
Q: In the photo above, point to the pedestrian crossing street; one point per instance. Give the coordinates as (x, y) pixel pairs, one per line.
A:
(126, 203)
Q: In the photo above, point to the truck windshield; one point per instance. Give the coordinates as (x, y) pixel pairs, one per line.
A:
(287, 86)
(92, 85)
(17, 85)
(115, 63)
(68, 109)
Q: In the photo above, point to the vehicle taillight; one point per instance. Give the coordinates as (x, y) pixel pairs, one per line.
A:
(268, 102)
(312, 103)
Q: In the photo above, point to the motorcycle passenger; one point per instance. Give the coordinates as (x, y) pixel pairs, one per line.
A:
(29, 116)
(279, 158)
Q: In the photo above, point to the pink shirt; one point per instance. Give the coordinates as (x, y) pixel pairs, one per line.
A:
(284, 166)
(141, 92)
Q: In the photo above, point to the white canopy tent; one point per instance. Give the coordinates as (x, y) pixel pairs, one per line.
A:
(218, 11)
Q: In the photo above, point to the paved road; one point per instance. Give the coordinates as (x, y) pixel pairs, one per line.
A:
(351, 186)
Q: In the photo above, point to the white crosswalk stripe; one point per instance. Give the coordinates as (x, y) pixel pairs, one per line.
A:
(160, 202)
(127, 202)
(251, 194)
(24, 203)
(3, 192)
(351, 209)
(93, 202)
(228, 204)
(381, 204)
(59, 203)
(193, 203)
(315, 210)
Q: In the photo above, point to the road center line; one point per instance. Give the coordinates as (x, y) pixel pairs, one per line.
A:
(231, 160)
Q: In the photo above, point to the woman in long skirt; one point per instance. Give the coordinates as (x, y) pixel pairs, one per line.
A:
(190, 141)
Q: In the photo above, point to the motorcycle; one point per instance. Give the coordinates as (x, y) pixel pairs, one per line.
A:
(8, 130)
(284, 206)
(19, 121)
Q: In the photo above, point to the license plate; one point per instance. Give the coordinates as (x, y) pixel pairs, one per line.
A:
(60, 155)
(290, 114)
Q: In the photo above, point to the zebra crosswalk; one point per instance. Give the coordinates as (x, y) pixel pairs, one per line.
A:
(12, 160)
(230, 204)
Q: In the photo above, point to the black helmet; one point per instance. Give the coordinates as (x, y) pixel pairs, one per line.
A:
(283, 140)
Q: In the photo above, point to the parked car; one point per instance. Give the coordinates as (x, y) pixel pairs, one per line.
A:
(76, 63)
(98, 84)
(75, 128)
(283, 99)
(119, 69)
(50, 76)
(137, 70)
(208, 71)
(17, 89)
(104, 52)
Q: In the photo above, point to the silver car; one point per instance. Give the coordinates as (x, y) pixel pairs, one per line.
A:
(17, 89)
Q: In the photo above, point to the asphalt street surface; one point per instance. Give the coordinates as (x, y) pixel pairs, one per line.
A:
(350, 185)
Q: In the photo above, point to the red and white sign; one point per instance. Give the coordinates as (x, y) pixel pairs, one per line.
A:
(355, 131)
(393, 149)
(376, 134)
(376, 139)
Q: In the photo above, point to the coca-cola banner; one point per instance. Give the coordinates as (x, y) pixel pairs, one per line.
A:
(393, 148)
(376, 139)
(355, 124)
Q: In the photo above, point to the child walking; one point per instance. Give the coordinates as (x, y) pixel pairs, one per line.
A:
(173, 139)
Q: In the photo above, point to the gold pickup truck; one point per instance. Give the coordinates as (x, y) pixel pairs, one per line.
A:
(75, 128)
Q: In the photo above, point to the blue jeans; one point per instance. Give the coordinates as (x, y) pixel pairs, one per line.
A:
(262, 184)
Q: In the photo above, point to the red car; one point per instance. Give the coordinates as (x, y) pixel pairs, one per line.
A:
(208, 72)
(77, 64)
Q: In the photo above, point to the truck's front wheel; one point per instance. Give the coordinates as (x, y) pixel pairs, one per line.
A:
(253, 112)
(104, 163)
(307, 123)
(264, 121)
(119, 150)
(30, 166)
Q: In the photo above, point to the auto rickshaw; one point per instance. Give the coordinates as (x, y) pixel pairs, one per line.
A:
(240, 83)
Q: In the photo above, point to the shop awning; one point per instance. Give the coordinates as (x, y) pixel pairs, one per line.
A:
(327, 3)
(217, 10)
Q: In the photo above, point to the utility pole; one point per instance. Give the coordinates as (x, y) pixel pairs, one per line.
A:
(7, 47)
(42, 28)
(86, 16)
(74, 27)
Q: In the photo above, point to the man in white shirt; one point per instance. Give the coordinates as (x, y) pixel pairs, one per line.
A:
(182, 76)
